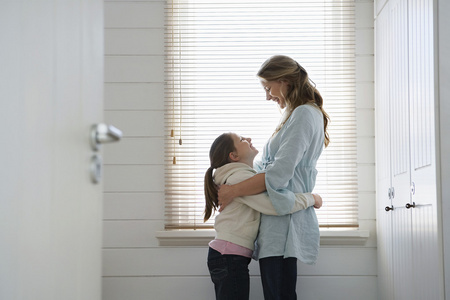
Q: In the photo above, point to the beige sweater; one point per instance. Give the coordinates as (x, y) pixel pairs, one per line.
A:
(239, 221)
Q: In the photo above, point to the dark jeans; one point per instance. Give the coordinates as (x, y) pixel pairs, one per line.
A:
(279, 277)
(230, 275)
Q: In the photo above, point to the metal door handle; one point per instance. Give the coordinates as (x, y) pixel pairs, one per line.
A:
(388, 208)
(102, 133)
(408, 205)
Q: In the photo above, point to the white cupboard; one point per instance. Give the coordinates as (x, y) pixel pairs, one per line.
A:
(410, 250)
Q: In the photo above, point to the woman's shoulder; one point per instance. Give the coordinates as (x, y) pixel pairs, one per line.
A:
(306, 112)
(306, 108)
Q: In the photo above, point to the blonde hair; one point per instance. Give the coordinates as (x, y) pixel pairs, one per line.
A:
(301, 90)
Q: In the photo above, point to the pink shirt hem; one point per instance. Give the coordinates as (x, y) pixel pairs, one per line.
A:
(229, 248)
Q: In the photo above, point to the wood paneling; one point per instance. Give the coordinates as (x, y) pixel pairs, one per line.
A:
(201, 288)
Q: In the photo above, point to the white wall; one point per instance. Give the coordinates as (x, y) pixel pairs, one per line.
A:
(134, 265)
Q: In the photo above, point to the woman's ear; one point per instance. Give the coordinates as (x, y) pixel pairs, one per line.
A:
(233, 156)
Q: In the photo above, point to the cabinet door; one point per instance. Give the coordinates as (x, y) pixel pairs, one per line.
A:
(426, 249)
(383, 158)
(400, 155)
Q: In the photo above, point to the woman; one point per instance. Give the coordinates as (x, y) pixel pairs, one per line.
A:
(231, 158)
(288, 166)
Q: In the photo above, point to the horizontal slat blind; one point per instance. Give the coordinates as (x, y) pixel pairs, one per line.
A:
(213, 51)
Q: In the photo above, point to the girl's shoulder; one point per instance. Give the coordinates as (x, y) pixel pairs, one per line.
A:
(232, 173)
(240, 172)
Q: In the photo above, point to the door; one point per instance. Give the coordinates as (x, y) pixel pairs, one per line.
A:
(51, 89)
(402, 260)
(428, 272)
(385, 279)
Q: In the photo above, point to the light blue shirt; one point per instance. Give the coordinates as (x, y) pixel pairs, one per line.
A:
(289, 160)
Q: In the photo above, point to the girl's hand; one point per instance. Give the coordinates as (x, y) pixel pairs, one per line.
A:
(318, 201)
(225, 195)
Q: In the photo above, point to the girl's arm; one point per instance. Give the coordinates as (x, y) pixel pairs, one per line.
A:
(252, 186)
(262, 203)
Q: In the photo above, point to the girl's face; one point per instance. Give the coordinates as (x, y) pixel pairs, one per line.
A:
(275, 91)
(245, 152)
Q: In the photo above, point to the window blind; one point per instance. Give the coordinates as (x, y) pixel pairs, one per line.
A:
(213, 52)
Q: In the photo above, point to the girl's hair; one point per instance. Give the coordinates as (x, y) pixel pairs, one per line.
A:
(218, 156)
(301, 90)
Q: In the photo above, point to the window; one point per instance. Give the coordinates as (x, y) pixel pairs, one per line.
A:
(213, 51)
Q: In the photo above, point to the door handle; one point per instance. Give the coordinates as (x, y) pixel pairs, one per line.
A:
(409, 205)
(102, 133)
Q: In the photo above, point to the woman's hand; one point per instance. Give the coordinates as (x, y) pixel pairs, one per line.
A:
(225, 195)
(317, 201)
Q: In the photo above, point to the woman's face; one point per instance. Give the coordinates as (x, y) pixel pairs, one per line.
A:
(275, 91)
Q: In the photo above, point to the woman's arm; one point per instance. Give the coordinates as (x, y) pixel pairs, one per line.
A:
(251, 186)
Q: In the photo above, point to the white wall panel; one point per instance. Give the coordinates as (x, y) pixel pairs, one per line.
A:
(134, 96)
(365, 122)
(365, 95)
(134, 14)
(173, 261)
(366, 148)
(116, 234)
(133, 178)
(364, 40)
(134, 41)
(137, 123)
(133, 206)
(132, 1)
(201, 288)
(367, 182)
(139, 151)
(367, 208)
(364, 68)
(134, 69)
(364, 14)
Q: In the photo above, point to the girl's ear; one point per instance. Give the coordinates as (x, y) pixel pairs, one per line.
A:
(233, 156)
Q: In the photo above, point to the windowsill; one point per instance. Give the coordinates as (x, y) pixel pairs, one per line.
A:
(201, 237)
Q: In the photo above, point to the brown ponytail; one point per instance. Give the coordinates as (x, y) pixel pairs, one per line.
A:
(218, 156)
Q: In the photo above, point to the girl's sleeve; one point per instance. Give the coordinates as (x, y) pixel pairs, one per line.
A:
(261, 202)
(296, 138)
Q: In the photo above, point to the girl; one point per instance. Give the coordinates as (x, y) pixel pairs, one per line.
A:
(237, 226)
(288, 165)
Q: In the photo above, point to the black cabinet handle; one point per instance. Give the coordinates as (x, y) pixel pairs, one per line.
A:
(408, 205)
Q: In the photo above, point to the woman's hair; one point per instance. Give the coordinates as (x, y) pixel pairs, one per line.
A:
(301, 90)
(218, 156)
